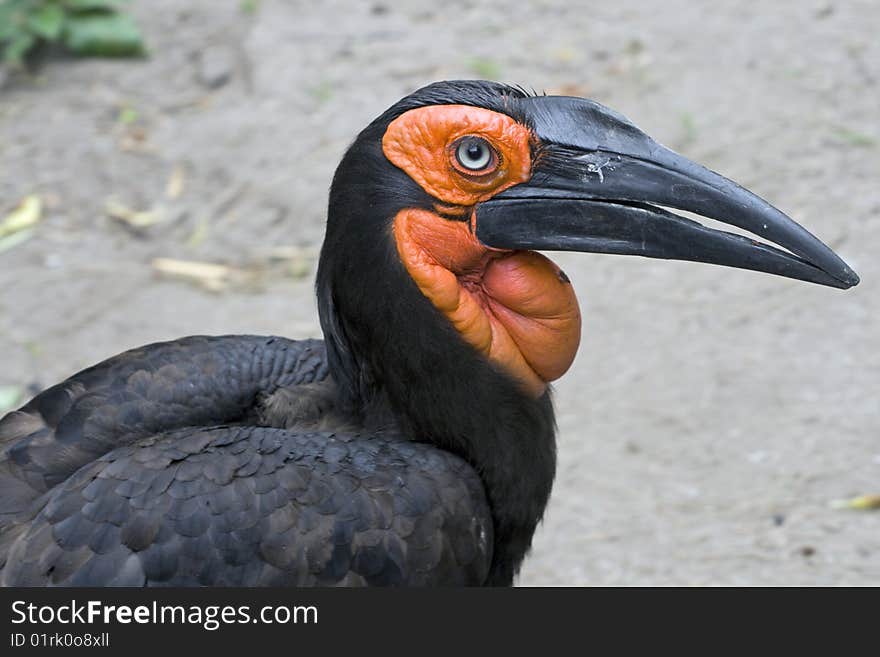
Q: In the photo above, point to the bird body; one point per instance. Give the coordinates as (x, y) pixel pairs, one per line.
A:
(415, 445)
(151, 469)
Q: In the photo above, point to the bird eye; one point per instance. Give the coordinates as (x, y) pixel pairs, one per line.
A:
(474, 154)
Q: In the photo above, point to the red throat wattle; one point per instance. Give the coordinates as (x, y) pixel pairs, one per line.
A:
(517, 308)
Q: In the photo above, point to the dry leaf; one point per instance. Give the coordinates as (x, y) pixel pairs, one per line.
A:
(210, 275)
(176, 183)
(11, 241)
(134, 218)
(860, 503)
(26, 214)
(199, 234)
(299, 267)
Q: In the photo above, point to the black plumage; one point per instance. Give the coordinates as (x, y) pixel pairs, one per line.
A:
(236, 504)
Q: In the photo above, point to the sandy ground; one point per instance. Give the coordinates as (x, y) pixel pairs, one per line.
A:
(711, 416)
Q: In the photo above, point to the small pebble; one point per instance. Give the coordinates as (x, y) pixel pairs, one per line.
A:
(216, 66)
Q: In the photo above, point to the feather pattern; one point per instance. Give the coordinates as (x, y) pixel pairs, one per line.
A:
(147, 469)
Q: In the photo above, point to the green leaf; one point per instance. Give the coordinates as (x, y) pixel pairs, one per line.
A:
(12, 16)
(106, 35)
(18, 46)
(47, 21)
(93, 5)
(7, 29)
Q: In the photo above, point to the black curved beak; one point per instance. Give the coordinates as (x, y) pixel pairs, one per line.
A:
(596, 185)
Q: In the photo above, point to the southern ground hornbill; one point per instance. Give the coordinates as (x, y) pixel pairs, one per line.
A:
(415, 445)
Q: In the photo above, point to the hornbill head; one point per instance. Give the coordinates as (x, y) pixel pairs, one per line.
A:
(456, 185)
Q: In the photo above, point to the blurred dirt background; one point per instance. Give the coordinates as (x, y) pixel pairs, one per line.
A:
(712, 416)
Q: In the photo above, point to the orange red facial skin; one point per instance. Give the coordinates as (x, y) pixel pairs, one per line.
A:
(515, 307)
(420, 142)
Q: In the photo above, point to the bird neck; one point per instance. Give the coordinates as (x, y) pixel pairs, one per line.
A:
(439, 391)
(393, 354)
